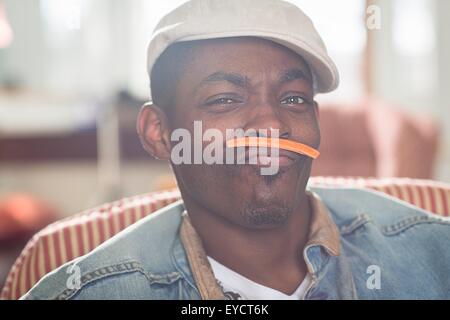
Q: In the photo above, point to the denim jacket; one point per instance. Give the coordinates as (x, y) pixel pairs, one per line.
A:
(389, 249)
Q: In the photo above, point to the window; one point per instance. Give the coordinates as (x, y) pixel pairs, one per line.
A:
(343, 31)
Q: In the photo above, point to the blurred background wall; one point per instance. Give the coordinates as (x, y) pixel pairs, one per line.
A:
(73, 76)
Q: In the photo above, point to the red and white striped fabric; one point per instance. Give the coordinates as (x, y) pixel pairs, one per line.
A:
(75, 236)
(426, 194)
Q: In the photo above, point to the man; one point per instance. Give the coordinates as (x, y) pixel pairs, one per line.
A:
(239, 234)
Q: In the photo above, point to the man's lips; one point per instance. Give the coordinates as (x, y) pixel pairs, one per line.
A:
(264, 158)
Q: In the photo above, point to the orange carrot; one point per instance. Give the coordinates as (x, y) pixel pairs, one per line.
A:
(269, 142)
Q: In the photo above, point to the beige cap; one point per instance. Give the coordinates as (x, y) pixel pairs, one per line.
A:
(274, 20)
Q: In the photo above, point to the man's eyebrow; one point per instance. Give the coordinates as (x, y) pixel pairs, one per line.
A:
(294, 74)
(233, 78)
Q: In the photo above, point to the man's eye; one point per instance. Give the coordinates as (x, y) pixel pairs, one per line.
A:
(293, 100)
(221, 101)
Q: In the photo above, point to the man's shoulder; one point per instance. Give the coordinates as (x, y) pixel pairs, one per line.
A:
(141, 250)
(352, 207)
(408, 245)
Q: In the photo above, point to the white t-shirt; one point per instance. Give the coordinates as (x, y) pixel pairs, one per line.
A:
(238, 287)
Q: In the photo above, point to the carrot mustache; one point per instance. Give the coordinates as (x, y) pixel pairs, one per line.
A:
(276, 143)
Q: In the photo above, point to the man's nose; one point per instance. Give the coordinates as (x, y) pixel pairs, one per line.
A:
(267, 121)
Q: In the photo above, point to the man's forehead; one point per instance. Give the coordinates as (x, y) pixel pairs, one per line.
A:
(239, 54)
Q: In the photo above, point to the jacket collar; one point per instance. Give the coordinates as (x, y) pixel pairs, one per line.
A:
(322, 231)
(204, 277)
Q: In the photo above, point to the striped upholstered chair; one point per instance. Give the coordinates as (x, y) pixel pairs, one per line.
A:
(77, 235)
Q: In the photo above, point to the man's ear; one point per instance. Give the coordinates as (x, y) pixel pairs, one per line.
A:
(154, 132)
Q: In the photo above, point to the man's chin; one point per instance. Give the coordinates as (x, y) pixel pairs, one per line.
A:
(265, 216)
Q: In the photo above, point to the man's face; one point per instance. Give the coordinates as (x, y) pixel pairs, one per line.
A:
(246, 83)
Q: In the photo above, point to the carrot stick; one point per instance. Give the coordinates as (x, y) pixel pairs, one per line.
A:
(269, 142)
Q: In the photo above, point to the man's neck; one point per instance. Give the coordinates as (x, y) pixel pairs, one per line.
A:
(271, 257)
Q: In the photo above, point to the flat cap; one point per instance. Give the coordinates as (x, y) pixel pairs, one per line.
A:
(274, 20)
